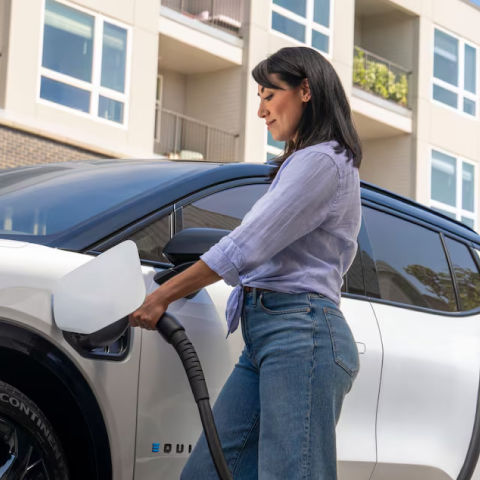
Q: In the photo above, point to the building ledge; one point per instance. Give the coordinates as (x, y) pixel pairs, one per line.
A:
(56, 134)
(376, 117)
(204, 48)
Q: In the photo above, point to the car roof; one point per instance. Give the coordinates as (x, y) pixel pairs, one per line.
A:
(175, 176)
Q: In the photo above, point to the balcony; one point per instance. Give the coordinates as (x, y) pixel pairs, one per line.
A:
(181, 137)
(381, 77)
(226, 15)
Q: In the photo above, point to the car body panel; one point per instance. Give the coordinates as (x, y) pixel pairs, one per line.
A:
(429, 391)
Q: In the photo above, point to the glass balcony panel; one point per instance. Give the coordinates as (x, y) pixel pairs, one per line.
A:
(468, 221)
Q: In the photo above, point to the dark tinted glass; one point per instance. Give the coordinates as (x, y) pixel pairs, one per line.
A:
(466, 274)
(151, 240)
(410, 262)
(355, 283)
(224, 209)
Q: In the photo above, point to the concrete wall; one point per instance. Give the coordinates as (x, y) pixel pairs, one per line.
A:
(23, 78)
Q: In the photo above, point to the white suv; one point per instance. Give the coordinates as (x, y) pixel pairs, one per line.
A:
(71, 409)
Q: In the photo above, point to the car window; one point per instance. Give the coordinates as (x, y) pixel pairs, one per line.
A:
(466, 274)
(355, 282)
(410, 262)
(224, 209)
(151, 239)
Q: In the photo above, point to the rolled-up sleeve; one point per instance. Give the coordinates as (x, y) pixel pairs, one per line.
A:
(304, 193)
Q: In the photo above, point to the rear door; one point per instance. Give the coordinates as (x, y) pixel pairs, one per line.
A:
(430, 326)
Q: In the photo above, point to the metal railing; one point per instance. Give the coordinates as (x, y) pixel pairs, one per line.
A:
(381, 77)
(226, 15)
(181, 137)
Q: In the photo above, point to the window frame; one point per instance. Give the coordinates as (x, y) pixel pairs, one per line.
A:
(94, 87)
(307, 22)
(458, 90)
(458, 211)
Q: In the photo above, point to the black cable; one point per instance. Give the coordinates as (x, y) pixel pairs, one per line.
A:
(175, 334)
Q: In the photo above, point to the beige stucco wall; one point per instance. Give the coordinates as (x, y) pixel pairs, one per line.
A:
(439, 126)
(388, 162)
(23, 78)
(4, 33)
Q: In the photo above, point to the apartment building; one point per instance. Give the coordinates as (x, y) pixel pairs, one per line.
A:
(171, 78)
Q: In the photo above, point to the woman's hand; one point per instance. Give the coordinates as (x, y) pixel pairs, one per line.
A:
(192, 279)
(148, 315)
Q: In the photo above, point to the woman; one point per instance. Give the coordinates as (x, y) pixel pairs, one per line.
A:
(277, 412)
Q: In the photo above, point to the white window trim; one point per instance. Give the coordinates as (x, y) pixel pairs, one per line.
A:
(458, 90)
(307, 22)
(94, 87)
(458, 211)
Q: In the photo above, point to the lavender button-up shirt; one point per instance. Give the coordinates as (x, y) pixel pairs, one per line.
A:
(300, 236)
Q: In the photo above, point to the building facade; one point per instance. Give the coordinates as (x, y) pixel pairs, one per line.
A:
(144, 78)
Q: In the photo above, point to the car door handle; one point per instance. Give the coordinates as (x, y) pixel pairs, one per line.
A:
(362, 348)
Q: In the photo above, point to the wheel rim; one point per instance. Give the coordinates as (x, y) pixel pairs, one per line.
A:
(21, 458)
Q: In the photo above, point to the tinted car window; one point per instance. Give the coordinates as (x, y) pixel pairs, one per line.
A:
(151, 240)
(466, 274)
(410, 262)
(355, 283)
(223, 209)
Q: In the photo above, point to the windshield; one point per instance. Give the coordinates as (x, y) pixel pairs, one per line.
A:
(51, 199)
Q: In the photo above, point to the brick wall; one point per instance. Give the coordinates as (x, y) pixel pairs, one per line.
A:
(18, 148)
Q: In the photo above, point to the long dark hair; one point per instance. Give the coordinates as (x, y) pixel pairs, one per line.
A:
(327, 115)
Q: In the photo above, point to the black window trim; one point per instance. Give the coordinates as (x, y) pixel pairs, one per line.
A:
(123, 234)
(452, 272)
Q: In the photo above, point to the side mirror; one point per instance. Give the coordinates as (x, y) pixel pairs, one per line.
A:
(186, 247)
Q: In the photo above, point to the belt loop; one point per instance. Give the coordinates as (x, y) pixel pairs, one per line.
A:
(254, 296)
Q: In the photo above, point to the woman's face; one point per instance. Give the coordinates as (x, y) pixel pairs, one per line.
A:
(283, 109)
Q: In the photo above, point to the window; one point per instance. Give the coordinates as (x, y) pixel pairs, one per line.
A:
(452, 190)
(455, 72)
(354, 282)
(307, 21)
(224, 209)
(410, 261)
(84, 62)
(152, 239)
(274, 147)
(466, 274)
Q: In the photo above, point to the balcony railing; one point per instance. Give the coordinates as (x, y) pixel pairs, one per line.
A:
(180, 137)
(226, 15)
(381, 77)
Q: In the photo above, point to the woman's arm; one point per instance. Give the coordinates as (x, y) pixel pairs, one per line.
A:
(194, 278)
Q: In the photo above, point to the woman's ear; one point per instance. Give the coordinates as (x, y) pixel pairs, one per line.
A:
(305, 90)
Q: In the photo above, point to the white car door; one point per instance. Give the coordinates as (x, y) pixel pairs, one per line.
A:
(429, 388)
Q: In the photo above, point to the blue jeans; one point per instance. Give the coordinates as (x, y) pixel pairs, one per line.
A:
(277, 412)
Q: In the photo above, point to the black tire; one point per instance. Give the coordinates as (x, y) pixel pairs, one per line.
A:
(29, 447)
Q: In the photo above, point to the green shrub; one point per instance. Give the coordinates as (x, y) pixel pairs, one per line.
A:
(376, 77)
